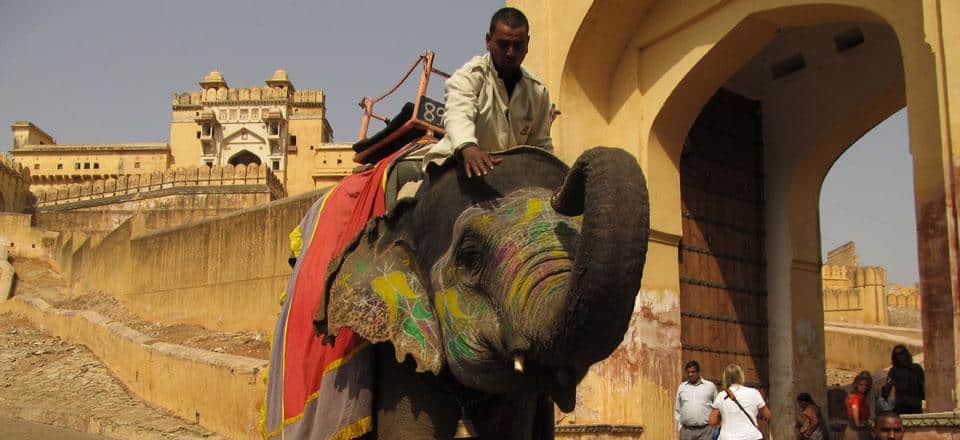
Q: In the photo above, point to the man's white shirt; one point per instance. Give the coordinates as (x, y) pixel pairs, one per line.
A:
(478, 110)
(694, 403)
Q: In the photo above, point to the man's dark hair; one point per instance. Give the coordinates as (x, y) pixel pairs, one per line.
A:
(900, 348)
(892, 414)
(692, 364)
(512, 17)
(805, 398)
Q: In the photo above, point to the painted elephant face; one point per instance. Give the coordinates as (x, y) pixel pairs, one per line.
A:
(494, 294)
(547, 279)
(501, 285)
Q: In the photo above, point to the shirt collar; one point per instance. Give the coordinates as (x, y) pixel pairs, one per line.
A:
(524, 73)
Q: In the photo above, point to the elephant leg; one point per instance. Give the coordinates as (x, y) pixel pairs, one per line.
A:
(411, 405)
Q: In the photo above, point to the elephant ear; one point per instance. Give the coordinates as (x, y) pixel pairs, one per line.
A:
(376, 289)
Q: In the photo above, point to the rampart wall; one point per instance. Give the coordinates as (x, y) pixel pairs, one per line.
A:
(865, 348)
(21, 239)
(15, 193)
(225, 273)
(165, 199)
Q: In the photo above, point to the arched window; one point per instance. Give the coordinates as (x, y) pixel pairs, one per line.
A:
(244, 158)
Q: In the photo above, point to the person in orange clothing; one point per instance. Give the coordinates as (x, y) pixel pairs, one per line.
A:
(858, 408)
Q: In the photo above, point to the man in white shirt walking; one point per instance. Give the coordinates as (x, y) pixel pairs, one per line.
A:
(694, 402)
(492, 102)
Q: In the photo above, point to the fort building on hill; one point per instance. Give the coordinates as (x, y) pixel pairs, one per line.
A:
(275, 126)
(861, 294)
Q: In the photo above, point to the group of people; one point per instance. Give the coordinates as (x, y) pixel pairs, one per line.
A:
(733, 412)
(901, 393)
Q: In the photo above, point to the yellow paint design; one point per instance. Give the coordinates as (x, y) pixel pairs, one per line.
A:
(534, 208)
(388, 286)
(296, 241)
(485, 220)
(451, 305)
(519, 290)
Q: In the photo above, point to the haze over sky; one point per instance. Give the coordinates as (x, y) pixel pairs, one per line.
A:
(104, 72)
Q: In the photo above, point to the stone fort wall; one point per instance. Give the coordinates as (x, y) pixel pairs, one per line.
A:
(164, 199)
(861, 294)
(15, 193)
(225, 273)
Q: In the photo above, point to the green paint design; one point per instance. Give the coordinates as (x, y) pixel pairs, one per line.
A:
(411, 328)
(539, 228)
(419, 312)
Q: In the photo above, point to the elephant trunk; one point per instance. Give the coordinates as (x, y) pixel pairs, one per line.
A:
(607, 187)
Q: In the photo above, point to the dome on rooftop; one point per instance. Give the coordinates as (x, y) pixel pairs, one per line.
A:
(280, 75)
(214, 75)
(213, 79)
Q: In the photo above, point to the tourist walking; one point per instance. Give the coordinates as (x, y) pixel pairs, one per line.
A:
(858, 408)
(694, 402)
(738, 408)
(810, 423)
(908, 380)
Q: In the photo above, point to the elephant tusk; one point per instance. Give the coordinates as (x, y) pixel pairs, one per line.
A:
(518, 363)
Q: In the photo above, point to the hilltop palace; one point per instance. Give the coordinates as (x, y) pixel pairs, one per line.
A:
(276, 127)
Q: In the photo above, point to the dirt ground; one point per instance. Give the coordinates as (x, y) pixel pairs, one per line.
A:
(47, 380)
(39, 278)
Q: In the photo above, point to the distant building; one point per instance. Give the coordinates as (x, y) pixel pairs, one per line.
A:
(860, 294)
(275, 126)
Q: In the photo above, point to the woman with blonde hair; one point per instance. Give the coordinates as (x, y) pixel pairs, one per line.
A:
(737, 408)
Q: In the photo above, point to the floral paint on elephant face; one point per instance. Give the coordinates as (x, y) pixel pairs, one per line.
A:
(504, 256)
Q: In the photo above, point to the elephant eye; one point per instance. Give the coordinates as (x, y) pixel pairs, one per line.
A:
(470, 258)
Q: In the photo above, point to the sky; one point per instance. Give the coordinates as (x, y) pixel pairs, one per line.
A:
(867, 197)
(105, 71)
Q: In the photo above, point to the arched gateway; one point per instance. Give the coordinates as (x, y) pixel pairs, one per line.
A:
(736, 110)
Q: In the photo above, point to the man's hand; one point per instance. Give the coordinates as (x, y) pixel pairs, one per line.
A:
(477, 162)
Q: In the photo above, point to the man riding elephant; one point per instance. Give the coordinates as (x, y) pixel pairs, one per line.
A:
(493, 103)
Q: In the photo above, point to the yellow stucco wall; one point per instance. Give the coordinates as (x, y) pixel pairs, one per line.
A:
(57, 165)
(225, 273)
(635, 74)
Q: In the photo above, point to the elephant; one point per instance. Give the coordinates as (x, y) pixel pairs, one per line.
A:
(490, 297)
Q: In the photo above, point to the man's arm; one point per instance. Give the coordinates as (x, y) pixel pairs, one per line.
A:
(460, 92)
(676, 409)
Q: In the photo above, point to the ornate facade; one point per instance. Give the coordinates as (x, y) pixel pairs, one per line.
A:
(275, 126)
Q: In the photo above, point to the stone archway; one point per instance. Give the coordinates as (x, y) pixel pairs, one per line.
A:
(828, 120)
(636, 74)
(244, 157)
